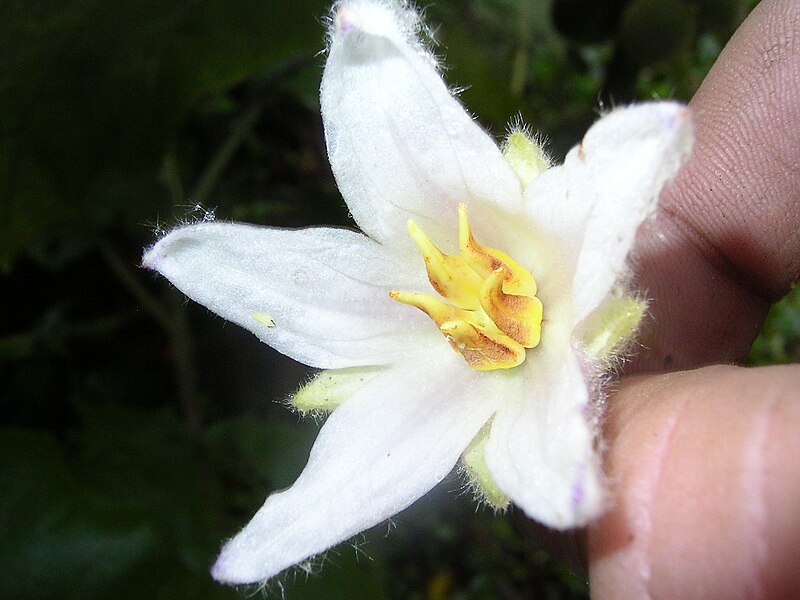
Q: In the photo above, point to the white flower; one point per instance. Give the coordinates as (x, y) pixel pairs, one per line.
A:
(406, 406)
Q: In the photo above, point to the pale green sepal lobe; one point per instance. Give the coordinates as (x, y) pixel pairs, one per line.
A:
(328, 389)
(480, 480)
(607, 332)
(526, 156)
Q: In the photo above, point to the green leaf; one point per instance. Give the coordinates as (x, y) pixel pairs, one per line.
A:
(58, 539)
(271, 453)
(346, 573)
(94, 91)
(148, 462)
(779, 340)
(652, 31)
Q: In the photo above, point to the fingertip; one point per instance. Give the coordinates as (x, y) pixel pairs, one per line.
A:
(638, 433)
(781, 491)
(705, 496)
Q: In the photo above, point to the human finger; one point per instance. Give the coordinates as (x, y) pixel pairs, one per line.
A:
(725, 242)
(706, 486)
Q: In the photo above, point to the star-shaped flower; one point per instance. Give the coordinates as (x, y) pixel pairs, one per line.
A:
(470, 319)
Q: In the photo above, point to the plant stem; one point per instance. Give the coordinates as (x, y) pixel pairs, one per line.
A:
(131, 283)
(174, 323)
(185, 372)
(224, 155)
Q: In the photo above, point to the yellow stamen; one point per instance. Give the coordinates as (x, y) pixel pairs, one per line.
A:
(439, 311)
(450, 276)
(485, 261)
(494, 314)
(520, 317)
(484, 348)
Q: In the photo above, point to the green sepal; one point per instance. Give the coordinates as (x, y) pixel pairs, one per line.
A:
(608, 331)
(328, 389)
(526, 157)
(473, 461)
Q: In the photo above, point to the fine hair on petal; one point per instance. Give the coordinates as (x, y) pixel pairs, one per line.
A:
(407, 16)
(266, 588)
(358, 543)
(192, 215)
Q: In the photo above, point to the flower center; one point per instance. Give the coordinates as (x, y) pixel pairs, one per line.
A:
(492, 313)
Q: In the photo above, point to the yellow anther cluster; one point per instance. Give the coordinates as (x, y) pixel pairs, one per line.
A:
(492, 314)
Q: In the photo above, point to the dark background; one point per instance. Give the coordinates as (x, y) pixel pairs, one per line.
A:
(138, 430)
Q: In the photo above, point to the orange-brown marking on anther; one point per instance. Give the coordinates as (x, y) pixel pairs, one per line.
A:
(492, 313)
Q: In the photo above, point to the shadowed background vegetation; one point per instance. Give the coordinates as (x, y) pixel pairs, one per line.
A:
(139, 431)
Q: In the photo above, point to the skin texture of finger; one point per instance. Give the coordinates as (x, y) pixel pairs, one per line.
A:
(725, 242)
(703, 467)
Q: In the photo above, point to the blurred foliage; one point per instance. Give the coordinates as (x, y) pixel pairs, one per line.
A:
(137, 433)
(779, 340)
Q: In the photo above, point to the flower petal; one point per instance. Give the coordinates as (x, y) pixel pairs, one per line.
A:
(540, 449)
(318, 295)
(400, 145)
(377, 453)
(607, 186)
